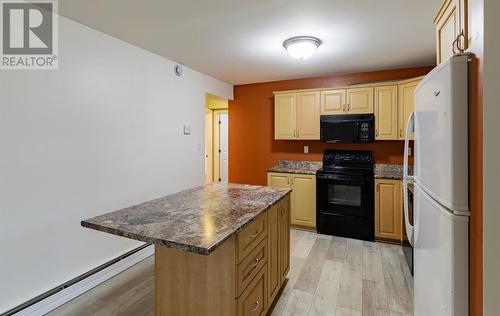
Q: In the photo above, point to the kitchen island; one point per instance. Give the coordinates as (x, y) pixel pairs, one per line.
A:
(220, 249)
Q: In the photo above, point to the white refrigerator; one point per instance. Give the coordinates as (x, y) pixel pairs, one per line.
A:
(440, 231)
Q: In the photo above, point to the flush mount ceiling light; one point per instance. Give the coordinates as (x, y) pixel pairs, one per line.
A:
(301, 47)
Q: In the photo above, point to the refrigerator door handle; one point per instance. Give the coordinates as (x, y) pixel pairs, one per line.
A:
(407, 178)
(409, 227)
(409, 129)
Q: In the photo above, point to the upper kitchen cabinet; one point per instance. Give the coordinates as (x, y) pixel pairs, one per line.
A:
(386, 112)
(285, 122)
(308, 112)
(296, 115)
(451, 28)
(333, 102)
(347, 101)
(360, 100)
(406, 92)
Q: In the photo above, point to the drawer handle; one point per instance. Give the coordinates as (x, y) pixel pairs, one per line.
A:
(257, 305)
(257, 260)
(255, 235)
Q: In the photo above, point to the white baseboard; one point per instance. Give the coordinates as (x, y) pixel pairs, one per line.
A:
(52, 302)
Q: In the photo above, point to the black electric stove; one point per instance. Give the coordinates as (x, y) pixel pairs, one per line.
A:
(345, 195)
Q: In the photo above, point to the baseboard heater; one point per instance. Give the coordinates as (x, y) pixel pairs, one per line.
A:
(132, 257)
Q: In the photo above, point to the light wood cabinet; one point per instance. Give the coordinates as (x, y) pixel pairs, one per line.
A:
(347, 101)
(406, 93)
(360, 100)
(285, 122)
(278, 180)
(303, 196)
(451, 21)
(388, 209)
(308, 109)
(303, 210)
(333, 102)
(284, 240)
(253, 301)
(233, 280)
(274, 238)
(386, 113)
(296, 115)
(248, 238)
(251, 264)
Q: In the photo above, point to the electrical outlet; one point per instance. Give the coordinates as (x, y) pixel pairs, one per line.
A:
(187, 129)
(306, 149)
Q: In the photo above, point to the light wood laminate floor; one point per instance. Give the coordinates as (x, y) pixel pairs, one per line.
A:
(328, 276)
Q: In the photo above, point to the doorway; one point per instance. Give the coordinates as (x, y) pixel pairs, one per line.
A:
(216, 140)
(221, 146)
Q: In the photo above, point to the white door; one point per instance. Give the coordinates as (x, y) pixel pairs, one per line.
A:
(208, 146)
(223, 150)
(440, 259)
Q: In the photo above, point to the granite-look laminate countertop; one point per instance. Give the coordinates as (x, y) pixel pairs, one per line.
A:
(297, 166)
(390, 171)
(196, 220)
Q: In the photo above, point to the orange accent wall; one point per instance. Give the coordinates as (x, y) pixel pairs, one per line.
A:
(476, 31)
(252, 148)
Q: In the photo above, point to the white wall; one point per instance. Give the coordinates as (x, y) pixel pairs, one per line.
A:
(102, 132)
(491, 151)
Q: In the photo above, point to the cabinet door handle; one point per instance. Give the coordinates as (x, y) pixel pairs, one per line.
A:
(257, 305)
(400, 132)
(376, 133)
(254, 265)
(297, 133)
(255, 235)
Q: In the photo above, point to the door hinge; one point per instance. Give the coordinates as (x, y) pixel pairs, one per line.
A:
(220, 151)
(219, 122)
(220, 179)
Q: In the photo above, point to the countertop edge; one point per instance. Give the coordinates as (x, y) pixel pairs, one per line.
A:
(291, 171)
(178, 245)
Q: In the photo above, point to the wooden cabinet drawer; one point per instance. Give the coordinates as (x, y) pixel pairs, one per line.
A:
(249, 267)
(253, 301)
(251, 236)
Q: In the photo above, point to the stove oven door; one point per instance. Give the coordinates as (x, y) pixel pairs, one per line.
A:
(345, 206)
(345, 195)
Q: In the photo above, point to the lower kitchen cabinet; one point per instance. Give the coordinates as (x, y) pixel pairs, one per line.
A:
(303, 197)
(278, 248)
(388, 209)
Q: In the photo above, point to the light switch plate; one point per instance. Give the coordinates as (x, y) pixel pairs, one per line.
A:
(187, 129)
(306, 149)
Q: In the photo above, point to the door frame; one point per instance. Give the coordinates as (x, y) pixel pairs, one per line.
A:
(209, 146)
(216, 153)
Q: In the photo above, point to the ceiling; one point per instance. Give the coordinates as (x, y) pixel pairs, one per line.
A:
(240, 41)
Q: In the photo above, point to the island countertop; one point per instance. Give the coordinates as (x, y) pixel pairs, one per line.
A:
(196, 220)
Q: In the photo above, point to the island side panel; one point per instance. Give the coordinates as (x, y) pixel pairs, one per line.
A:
(192, 284)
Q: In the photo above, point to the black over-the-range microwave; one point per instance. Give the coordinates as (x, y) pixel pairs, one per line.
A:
(348, 128)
